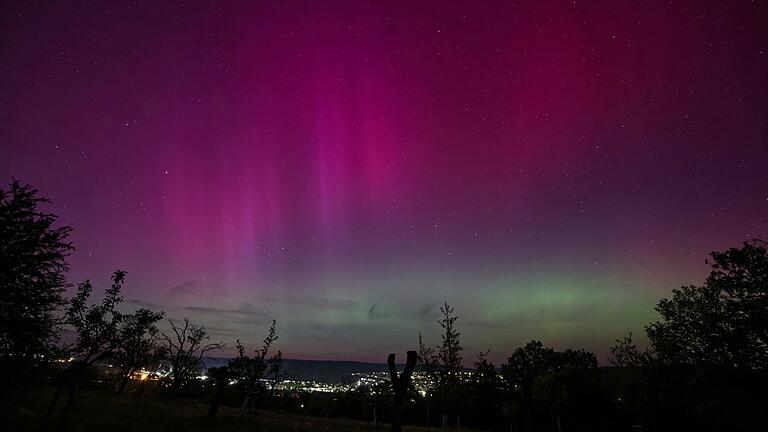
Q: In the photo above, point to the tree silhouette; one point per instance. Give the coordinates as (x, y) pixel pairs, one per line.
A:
(539, 376)
(139, 344)
(97, 329)
(248, 371)
(442, 364)
(32, 278)
(570, 377)
(220, 376)
(186, 347)
(520, 372)
(625, 353)
(400, 386)
(274, 373)
(723, 322)
(428, 364)
(485, 390)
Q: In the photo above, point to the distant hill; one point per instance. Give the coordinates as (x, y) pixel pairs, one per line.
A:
(324, 371)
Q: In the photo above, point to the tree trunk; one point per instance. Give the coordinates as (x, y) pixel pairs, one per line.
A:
(445, 422)
(429, 418)
(458, 422)
(400, 387)
(51, 407)
(557, 417)
(526, 419)
(551, 418)
(214, 407)
(215, 400)
(124, 383)
(270, 395)
(245, 403)
(70, 401)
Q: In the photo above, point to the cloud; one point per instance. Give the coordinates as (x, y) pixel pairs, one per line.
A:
(184, 288)
(311, 301)
(425, 310)
(141, 303)
(244, 309)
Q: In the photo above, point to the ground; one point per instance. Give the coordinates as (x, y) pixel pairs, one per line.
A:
(99, 411)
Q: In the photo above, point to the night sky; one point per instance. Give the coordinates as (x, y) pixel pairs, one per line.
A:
(549, 168)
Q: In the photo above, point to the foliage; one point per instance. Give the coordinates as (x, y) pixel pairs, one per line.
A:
(449, 351)
(706, 369)
(484, 392)
(625, 353)
(97, 326)
(139, 343)
(536, 378)
(32, 275)
(275, 373)
(723, 322)
(428, 361)
(248, 371)
(443, 363)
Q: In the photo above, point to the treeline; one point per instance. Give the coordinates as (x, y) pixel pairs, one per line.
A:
(34, 313)
(679, 383)
(703, 370)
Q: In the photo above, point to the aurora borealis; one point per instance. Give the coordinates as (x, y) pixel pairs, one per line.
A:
(549, 168)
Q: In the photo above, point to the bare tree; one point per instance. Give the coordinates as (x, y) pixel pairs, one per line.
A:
(186, 347)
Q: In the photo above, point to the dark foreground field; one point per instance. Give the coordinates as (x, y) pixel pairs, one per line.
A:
(101, 411)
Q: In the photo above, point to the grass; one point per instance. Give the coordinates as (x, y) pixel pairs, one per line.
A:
(101, 411)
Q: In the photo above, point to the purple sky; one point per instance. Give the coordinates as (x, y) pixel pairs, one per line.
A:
(549, 168)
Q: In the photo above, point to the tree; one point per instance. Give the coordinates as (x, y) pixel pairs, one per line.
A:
(485, 386)
(520, 372)
(443, 363)
(629, 379)
(248, 371)
(220, 376)
(723, 322)
(539, 378)
(139, 344)
(32, 277)
(97, 330)
(427, 364)
(186, 348)
(97, 326)
(625, 353)
(400, 384)
(274, 373)
(571, 379)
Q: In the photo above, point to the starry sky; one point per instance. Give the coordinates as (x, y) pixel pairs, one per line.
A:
(549, 168)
